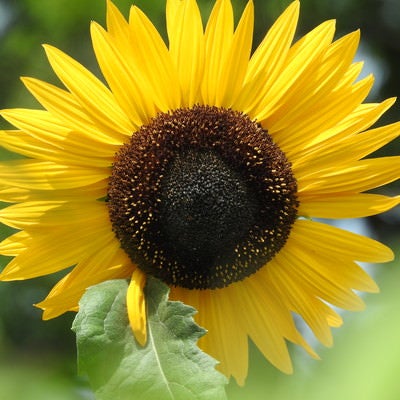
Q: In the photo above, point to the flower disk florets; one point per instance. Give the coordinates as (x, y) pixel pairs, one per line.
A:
(201, 197)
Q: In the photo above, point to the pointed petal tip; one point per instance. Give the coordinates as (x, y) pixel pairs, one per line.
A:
(42, 307)
(286, 369)
(389, 256)
(353, 38)
(52, 52)
(374, 289)
(295, 5)
(250, 6)
(11, 274)
(111, 8)
(4, 112)
(50, 312)
(47, 314)
(240, 381)
(38, 305)
(370, 78)
(329, 24)
(95, 27)
(48, 48)
(310, 351)
(384, 253)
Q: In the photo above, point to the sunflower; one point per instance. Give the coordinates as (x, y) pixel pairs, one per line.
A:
(202, 164)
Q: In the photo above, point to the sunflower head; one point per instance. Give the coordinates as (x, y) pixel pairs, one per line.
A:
(203, 164)
(201, 197)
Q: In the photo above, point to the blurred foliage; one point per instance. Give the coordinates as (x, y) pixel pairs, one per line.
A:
(41, 355)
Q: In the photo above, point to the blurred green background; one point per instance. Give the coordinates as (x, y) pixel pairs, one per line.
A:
(37, 358)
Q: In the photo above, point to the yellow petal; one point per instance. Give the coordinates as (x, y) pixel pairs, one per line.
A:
(270, 55)
(131, 92)
(51, 138)
(51, 214)
(226, 339)
(334, 108)
(234, 349)
(321, 283)
(304, 53)
(186, 46)
(344, 146)
(66, 108)
(346, 206)
(66, 294)
(26, 145)
(15, 244)
(44, 175)
(266, 322)
(154, 61)
(19, 195)
(68, 303)
(118, 26)
(330, 240)
(49, 252)
(360, 119)
(24, 215)
(322, 77)
(355, 177)
(100, 105)
(234, 66)
(136, 304)
(298, 299)
(218, 40)
(120, 61)
(261, 280)
(268, 60)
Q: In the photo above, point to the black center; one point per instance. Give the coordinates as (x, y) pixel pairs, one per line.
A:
(206, 209)
(202, 197)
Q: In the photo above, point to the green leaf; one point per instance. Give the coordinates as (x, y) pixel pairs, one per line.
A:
(169, 367)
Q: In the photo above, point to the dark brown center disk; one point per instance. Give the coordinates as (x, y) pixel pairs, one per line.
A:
(201, 197)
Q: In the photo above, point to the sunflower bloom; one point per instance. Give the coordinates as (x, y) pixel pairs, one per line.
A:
(202, 164)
